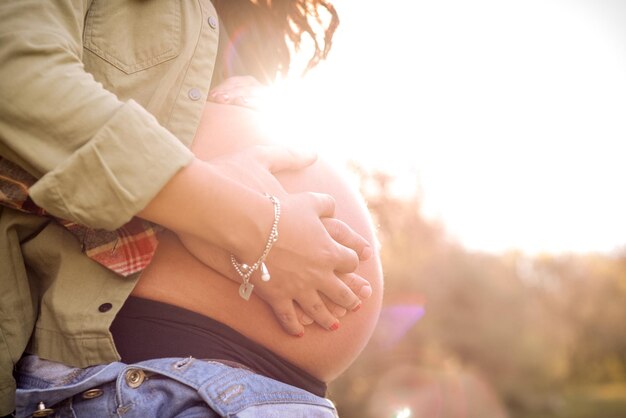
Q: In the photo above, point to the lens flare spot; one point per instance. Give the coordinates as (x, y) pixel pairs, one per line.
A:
(403, 413)
(396, 321)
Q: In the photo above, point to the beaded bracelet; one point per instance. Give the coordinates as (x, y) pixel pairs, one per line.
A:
(245, 271)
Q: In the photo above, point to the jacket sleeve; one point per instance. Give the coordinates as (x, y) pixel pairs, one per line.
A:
(98, 160)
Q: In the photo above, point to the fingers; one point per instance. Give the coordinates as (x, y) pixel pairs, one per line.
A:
(315, 309)
(302, 317)
(278, 158)
(347, 291)
(345, 260)
(237, 81)
(336, 310)
(288, 318)
(243, 91)
(358, 285)
(305, 319)
(323, 204)
(344, 294)
(237, 98)
(347, 237)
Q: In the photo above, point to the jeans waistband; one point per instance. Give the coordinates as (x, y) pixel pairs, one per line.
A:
(225, 389)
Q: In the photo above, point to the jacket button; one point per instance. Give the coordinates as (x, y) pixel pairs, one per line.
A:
(134, 378)
(92, 393)
(42, 411)
(212, 22)
(194, 94)
(105, 307)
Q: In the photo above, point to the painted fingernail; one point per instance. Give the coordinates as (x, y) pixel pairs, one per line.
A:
(356, 308)
(334, 327)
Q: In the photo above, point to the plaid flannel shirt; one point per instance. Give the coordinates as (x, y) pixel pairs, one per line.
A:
(126, 250)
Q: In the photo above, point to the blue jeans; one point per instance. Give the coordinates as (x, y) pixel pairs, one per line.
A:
(161, 388)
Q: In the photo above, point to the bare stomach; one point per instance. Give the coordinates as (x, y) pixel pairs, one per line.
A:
(176, 277)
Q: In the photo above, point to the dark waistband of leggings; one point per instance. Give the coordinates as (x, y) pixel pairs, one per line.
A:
(145, 329)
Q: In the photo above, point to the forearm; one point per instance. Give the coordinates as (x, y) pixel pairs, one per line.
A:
(202, 202)
(312, 256)
(323, 354)
(99, 160)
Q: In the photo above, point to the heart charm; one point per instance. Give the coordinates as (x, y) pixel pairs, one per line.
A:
(245, 290)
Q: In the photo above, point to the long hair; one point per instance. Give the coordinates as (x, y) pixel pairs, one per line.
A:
(265, 33)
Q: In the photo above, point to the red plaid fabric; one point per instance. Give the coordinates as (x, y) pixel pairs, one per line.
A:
(126, 250)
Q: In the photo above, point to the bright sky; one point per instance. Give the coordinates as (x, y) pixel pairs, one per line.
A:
(509, 117)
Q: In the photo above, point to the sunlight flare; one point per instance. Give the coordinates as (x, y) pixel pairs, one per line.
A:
(403, 413)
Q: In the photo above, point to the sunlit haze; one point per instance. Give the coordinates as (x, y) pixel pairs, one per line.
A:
(506, 117)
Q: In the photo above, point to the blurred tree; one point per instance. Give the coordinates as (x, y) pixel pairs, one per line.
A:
(468, 331)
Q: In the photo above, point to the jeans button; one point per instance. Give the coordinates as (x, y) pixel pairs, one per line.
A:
(92, 393)
(134, 378)
(42, 411)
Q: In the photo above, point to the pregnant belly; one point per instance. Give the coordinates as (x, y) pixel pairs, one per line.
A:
(177, 278)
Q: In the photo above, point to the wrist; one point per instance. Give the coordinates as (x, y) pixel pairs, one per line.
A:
(200, 201)
(242, 219)
(245, 270)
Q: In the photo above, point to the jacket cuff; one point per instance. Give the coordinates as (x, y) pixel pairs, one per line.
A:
(116, 174)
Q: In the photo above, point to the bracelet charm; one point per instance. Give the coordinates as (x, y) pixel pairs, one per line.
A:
(245, 290)
(245, 271)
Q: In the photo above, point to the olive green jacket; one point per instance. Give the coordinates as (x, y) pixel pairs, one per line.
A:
(99, 100)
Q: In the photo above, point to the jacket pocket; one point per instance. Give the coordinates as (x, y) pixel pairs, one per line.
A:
(133, 35)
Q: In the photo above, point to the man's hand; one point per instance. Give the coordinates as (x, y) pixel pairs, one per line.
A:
(243, 91)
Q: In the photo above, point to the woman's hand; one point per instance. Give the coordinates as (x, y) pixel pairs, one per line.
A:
(312, 261)
(315, 254)
(296, 299)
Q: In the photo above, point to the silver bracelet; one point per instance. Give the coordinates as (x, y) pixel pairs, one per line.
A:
(245, 271)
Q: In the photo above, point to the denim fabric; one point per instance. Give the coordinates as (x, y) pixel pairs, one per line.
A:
(162, 388)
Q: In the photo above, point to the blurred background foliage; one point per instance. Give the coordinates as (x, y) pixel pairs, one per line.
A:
(469, 334)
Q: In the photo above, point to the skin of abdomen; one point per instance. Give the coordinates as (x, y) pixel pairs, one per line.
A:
(176, 277)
